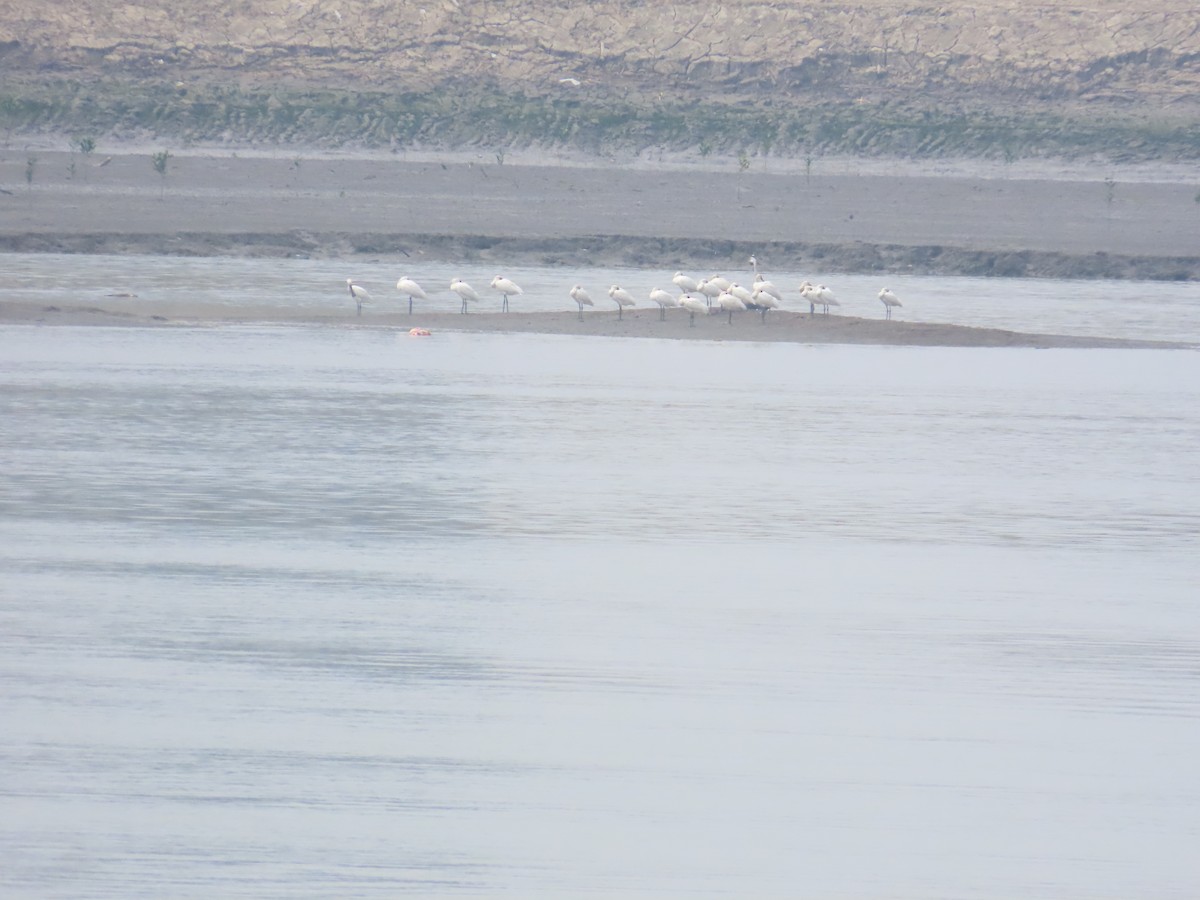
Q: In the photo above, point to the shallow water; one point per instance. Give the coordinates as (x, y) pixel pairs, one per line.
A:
(1141, 310)
(331, 612)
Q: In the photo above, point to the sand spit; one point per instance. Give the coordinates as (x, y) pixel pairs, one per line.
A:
(781, 326)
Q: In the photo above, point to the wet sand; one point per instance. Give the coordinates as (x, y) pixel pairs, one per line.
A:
(780, 326)
(985, 221)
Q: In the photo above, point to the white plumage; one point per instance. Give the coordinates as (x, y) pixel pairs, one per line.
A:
(685, 283)
(693, 305)
(622, 298)
(409, 287)
(765, 302)
(465, 292)
(889, 301)
(507, 287)
(663, 299)
(731, 304)
(359, 293)
(581, 298)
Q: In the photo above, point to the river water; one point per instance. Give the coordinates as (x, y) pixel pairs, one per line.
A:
(332, 612)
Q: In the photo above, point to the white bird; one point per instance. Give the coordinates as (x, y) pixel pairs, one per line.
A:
(693, 305)
(720, 281)
(889, 300)
(685, 283)
(808, 292)
(465, 291)
(407, 286)
(663, 299)
(731, 304)
(746, 296)
(507, 288)
(765, 302)
(825, 297)
(754, 263)
(359, 293)
(710, 289)
(581, 298)
(622, 298)
(761, 284)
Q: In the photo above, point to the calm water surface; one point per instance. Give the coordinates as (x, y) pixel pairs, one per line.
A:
(305, 612)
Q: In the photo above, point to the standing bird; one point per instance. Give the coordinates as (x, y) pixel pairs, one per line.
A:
(754, 264)
(825, 297)
(761, 284)
(765, 302)
(506, 287)
(622, 298)
(731, 304)
(359, 293)
(889, 300)
(746, 296)
(693, 305)
(720, 281)
(581, 298)
(663, 299)
(407, 286)
(808, 292)
(710, 289)
(465, 291)
(685, 283)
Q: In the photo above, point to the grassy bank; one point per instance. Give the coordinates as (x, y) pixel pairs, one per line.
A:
(473, 116)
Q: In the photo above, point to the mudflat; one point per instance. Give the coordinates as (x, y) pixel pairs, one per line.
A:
(829, 215)
(778, 326)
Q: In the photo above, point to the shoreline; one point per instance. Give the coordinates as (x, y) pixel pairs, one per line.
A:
(642, 216)
(781, 327)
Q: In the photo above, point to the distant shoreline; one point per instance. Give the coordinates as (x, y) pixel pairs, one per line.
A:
(640, 216)
(780, 327)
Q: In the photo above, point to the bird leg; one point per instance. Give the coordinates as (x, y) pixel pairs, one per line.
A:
(410, 305)
(504, 308)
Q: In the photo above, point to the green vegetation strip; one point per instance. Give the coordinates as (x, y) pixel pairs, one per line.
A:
(478, 117)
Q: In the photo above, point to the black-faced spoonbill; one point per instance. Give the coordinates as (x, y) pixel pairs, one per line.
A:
(359, 293)
(808, 292)
(889, 301)
(407, 286)
(506, 287)
(581, 298)
(465, 291)
(693, 305)
(663, 299)
(825, 297)
(746, 296)
(761, 284)
(765, 302)
(622, 298)
(731, 304)
(685, 283)
(710, 289)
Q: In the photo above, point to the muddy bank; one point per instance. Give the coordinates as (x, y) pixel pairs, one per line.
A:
(621, 250)
(780, 326)
(826, 220)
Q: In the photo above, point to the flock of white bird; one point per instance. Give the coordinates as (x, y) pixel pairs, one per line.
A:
(720, 295)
